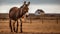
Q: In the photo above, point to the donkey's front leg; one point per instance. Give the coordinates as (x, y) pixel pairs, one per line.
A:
(21, 25)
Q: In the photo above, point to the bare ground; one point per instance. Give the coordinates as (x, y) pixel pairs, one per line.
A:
(26, 33)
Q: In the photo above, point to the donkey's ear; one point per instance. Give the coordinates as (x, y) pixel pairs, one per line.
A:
(24, 2)
(28, 3)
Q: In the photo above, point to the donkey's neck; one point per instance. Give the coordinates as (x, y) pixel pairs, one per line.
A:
(23, 13)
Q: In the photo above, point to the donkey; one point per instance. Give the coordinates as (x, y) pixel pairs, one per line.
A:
(16, 13)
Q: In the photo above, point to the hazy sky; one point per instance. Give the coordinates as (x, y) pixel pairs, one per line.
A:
(49, 6)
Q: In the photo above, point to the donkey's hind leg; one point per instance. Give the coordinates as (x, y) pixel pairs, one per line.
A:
(10, 25)
(14, 26)
(17, 26)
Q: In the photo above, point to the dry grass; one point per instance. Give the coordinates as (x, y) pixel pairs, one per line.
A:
(48, 26)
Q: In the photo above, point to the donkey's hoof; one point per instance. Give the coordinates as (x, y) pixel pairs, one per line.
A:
(21, 32)
(16, 32)
(11, 31)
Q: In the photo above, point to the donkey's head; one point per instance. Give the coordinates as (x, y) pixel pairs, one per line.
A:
(25, 7)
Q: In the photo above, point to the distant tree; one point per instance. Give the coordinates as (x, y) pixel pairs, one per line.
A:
(39, 12)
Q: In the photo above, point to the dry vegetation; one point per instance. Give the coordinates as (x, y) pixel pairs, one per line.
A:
(36, 26)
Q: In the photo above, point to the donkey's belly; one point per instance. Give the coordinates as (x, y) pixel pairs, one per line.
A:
(13, 18)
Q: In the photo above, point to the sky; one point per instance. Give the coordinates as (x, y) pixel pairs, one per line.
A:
(48, 6)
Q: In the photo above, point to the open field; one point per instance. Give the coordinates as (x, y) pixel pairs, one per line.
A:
(26, 33)
(48, 26)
